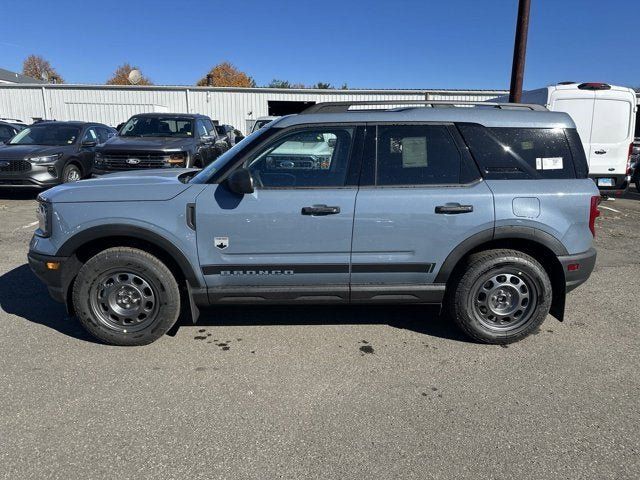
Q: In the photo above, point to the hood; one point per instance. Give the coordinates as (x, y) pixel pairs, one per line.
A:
(15, 152)
(139, 186)
(127, 144)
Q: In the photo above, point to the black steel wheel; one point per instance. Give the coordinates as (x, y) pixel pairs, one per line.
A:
(499, 296)
(125, 296)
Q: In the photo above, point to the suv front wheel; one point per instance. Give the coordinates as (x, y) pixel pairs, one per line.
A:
(501, 296)
(125, 296)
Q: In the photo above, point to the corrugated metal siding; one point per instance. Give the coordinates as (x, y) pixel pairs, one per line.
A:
(238, 107)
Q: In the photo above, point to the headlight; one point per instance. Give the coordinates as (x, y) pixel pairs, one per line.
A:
(43, 213)
(44, 158)
(178, 159)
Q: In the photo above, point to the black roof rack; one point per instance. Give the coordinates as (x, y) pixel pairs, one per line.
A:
(341, 107)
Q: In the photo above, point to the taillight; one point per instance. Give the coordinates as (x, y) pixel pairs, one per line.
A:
(593, 214)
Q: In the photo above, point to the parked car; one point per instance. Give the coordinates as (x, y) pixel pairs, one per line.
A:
(605, 117)
(262, 121)
(230, 133)
(7, 131)
(487, 211)
(161, 140)
(49, 153)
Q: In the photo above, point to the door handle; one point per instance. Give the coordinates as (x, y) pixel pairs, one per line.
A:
(600, 152)
(453, 208)
(317, 210)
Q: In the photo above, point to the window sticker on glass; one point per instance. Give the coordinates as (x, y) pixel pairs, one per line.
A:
(549, 163)
(414, 152)
(526, 145)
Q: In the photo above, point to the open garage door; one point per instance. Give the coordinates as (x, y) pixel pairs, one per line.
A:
(278, 108)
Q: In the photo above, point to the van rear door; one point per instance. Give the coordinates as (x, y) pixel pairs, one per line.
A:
(579, 105)
(611, 132)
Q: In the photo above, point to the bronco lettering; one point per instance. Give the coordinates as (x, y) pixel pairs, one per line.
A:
(257, 272)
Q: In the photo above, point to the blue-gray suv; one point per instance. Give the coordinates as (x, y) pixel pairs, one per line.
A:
(485, 209)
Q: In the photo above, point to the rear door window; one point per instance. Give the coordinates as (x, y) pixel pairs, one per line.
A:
(520, 153)
(416, 155)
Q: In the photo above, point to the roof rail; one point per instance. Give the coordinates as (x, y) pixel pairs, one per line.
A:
(341, 107)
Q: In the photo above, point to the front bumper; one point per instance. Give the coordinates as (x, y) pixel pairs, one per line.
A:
(38, 176)
(577, 268)
(58, 280)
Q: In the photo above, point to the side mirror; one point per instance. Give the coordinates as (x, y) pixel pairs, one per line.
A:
(90, 143)
(240, 181)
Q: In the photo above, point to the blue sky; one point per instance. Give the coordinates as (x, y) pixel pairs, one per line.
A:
(369, 44)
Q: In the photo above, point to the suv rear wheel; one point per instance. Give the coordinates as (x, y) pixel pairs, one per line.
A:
(125, 296)
(501, 296)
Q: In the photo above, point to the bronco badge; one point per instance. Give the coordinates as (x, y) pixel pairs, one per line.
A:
(221, 242)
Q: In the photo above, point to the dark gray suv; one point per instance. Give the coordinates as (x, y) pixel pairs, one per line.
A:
(50, 153)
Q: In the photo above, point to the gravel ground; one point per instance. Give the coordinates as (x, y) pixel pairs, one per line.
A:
(332, 392)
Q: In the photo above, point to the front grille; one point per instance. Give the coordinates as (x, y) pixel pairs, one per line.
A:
(14, 166)
(123, 161)
(291, 162)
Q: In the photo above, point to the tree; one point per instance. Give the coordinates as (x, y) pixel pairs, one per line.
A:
(322, 85)
(37, 67)
(275, 83)
(226, 74)
(344, 86)
(121, 76)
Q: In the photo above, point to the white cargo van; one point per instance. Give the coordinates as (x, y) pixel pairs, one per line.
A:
(605, 116)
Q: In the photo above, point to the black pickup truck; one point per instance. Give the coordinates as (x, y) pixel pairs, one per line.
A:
(161, 140)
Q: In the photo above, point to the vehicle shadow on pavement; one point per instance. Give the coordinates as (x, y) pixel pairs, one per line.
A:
(23, 295)
(19, 193)
(423, 319)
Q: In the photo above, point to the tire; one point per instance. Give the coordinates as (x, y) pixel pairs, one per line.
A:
(636, 180)
(71, 173)
(125, 296)
(500, 296)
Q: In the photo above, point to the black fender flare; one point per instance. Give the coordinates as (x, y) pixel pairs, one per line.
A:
(69, 247)
(499, 233)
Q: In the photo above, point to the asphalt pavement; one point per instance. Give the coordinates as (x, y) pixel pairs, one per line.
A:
(323, 392)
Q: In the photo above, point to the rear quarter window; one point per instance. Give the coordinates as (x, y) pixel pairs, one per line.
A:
(520, 153)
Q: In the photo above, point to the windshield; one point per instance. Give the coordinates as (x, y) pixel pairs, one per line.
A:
(57, 135)
(6, 132)
(158, 127)
(260, 123)
(205, 175)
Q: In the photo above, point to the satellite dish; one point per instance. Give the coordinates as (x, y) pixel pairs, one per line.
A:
(135, 76)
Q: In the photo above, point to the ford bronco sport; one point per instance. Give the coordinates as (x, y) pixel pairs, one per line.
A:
(485, 209)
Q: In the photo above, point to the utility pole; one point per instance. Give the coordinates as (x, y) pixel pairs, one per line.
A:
(519, 51)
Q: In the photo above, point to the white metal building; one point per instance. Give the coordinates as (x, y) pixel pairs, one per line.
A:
(235, 106)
